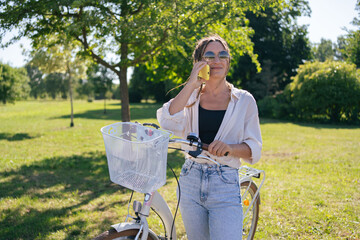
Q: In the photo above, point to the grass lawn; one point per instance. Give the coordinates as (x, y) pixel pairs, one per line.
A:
(54, 181)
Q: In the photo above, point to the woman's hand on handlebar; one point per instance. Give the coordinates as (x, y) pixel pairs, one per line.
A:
(219, 148)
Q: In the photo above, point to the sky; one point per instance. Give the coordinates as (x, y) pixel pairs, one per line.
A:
(327, 19)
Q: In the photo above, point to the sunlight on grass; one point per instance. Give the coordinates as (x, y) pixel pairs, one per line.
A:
(55, 183)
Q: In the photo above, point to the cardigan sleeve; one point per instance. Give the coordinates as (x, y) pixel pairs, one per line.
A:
(175, 123)
(252, 132)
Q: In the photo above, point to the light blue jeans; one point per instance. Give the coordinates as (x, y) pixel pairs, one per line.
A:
(210, 202)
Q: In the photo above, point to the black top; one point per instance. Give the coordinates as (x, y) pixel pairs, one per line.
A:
(209, 123)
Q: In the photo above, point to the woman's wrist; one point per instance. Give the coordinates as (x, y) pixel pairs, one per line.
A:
(241, 150)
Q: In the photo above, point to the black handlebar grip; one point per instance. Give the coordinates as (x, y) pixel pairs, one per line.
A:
(205, 146)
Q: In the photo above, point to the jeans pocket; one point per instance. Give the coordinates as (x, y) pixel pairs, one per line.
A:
(229, 175)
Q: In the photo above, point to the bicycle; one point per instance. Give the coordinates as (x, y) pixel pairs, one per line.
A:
(123, 138)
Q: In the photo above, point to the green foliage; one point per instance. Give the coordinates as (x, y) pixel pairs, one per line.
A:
(55, 84)
(142, 87)
(36, 81)
(135, 31)
(139, 86)
(53, 54)
(329, 90)
(99, 80)
(277, 107)
(280, 44)
(13, 84)
(324, 50)
(353, 48)
(348, 48)
(85, 89)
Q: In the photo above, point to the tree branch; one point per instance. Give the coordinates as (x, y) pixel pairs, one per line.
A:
(96, 57)
(138, 10)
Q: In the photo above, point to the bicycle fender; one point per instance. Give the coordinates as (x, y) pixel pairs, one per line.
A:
(119, 227)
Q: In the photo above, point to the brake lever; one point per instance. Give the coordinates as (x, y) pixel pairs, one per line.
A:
(207, 158)
(203, 156)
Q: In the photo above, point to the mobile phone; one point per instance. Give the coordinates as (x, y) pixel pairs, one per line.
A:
(205, 72)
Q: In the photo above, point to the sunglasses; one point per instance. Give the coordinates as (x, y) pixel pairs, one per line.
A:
(210, 56)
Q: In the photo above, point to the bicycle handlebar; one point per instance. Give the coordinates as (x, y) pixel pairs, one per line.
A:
(199, 145)
(191, 141)
(204, 146)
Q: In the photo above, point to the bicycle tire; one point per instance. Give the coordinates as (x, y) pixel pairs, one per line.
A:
(123, 235)
(254, 212)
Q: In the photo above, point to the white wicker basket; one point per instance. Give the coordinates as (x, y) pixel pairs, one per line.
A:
(136, 155)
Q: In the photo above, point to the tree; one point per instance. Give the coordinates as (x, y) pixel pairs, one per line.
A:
(36, 81)
(85, 88)
(280, 44)
(13, 84)
(56, 83)
(57, 55)
(349, 45)
(134, 31)
(142, 86)
(324, 50)
(352, 48)
(101, 80)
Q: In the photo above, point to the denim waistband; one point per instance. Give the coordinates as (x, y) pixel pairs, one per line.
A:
(191, 163)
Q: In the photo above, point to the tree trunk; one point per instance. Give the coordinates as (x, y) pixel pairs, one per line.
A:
(124, 93)
(71, 96)
(71, 103)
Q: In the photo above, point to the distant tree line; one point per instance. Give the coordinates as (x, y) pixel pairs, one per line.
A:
(30, 83)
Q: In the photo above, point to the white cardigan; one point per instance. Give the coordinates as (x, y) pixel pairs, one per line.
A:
(240, 124)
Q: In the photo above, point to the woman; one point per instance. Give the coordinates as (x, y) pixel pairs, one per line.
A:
(226, 118)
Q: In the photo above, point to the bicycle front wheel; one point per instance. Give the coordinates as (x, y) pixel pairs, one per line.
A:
(123, 235)
(250, 212)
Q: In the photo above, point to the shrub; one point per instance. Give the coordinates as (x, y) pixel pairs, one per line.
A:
(277, 106)
(326, 90)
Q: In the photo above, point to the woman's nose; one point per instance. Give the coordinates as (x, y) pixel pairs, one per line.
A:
(217, 59)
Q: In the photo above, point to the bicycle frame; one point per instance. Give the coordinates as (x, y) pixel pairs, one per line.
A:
(157, 202)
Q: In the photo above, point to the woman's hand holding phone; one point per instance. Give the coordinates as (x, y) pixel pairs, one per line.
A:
(205, 72)
(194, 80)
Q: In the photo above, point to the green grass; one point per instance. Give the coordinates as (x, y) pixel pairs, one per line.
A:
(54, 181)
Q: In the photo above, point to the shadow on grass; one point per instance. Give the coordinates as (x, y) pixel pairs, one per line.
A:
(137, 111)
(83, 177)
(312, 125)
(15, 136)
